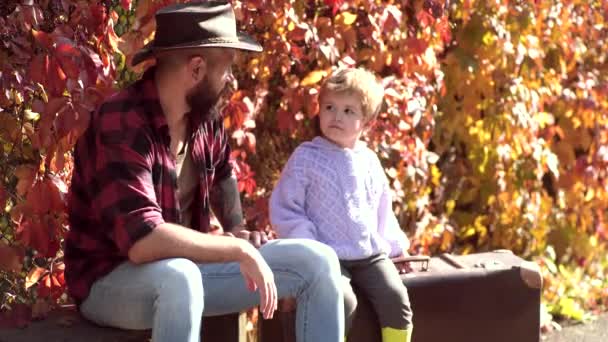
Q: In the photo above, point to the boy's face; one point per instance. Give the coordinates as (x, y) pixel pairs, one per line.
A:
(341, 118)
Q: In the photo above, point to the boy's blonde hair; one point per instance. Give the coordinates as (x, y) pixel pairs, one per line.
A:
(361, 82)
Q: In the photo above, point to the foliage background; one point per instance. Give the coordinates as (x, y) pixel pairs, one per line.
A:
(494, 133)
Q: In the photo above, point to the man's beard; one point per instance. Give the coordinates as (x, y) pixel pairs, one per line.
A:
(203, 101)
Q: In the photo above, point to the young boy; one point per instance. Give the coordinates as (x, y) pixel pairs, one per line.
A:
(334, 190)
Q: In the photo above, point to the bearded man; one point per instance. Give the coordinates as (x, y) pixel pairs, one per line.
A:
(151, 166)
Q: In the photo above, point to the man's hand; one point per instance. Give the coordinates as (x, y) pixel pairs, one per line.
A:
(256, 238)
(258, 276)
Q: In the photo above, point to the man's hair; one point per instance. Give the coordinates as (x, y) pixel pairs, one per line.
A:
(359, 81)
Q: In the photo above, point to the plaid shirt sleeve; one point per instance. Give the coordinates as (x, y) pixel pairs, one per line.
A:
(126, 201)
(224, 168)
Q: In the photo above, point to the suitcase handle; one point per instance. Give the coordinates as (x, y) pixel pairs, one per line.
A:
(423, 259)
(450, 259)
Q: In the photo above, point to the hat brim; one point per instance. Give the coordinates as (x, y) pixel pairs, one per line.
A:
(244, 42)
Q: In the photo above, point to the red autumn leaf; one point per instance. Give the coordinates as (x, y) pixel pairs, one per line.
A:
(56, 191)
(417, 46)
(43, 38)
(39, 235)
(391, 18)
(66, 121)
(286, 121)
(334, 5)
(299, 32)
(56, 77)
(69, 66)
(238, 113)
(39, 67)
(126, 4)
(247, 185)
(445, 32)
(11, 258)
(67, 55)
(425, 19)
(296, 52)
(26, 175)
(258, 213)
(98, 17)
(434, 8)
(37, 199)
(93, 64)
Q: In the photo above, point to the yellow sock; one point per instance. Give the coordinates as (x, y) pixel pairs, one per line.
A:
(396, 335)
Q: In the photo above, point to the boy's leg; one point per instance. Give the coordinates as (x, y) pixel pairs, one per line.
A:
(350, 299)
(165, 296)
(304, 269)
(379, 280)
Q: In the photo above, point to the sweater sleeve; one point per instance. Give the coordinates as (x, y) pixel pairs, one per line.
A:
(388, 226)
(287, 202)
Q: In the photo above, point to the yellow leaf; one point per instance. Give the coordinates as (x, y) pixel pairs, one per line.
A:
(346, 18)
(31, 115)
(313, 78)
(449, 206)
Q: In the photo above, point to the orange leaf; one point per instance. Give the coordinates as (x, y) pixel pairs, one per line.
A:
(33, 277)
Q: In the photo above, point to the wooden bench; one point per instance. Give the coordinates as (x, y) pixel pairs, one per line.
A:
(66, 325)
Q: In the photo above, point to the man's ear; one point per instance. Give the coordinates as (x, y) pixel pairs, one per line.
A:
(197, 68)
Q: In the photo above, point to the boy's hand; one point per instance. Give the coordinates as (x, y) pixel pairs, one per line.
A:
(402, 266)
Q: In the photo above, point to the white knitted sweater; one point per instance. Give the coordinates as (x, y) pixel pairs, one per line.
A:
(339, 197)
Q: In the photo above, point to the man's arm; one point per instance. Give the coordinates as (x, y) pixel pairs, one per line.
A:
(226, 204)
(169, 240)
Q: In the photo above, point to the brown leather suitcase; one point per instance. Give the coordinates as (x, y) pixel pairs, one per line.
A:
(493, 296)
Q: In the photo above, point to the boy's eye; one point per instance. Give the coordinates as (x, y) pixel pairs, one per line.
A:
(349, 111)
(329, 107)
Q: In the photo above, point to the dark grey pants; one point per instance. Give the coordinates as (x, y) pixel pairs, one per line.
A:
(376, 278)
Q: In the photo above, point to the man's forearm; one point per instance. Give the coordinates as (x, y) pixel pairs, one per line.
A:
(173, 241)
(226, 203)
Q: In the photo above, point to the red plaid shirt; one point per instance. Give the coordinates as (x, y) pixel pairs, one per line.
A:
(124, 181)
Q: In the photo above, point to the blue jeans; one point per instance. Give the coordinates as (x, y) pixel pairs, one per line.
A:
(170, 296)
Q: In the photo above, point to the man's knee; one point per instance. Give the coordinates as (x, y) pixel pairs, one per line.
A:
(182, 276)
(315, 256)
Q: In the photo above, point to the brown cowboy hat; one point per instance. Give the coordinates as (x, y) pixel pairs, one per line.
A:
(194, 25)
